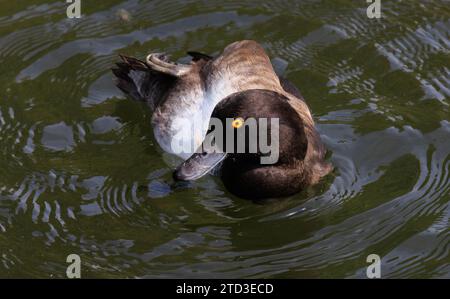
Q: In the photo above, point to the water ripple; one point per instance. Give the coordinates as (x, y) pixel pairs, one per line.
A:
(80, 171)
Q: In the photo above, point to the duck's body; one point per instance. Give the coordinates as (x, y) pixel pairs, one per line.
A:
(183, 97)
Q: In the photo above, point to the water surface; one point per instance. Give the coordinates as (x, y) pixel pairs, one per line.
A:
(80, 171)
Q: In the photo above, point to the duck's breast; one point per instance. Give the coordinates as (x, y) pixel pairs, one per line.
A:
(180, 123)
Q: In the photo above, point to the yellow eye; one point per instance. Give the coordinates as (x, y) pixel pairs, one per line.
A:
(237, 123)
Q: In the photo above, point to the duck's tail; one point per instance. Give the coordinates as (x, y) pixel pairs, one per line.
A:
(141, 81)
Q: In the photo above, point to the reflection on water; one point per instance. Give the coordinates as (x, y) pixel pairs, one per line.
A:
(81, 173)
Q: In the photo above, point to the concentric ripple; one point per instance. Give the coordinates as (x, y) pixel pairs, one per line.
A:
(81, 173)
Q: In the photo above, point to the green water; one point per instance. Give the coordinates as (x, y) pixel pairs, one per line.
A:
(80, 171)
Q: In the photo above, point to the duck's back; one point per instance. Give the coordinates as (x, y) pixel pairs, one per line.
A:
(242, 66)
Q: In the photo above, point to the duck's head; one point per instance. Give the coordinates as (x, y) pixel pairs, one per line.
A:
(262, 150)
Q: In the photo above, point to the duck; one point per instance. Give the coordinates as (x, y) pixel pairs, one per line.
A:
(182, 97)
(185, 98)
(300, 155)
